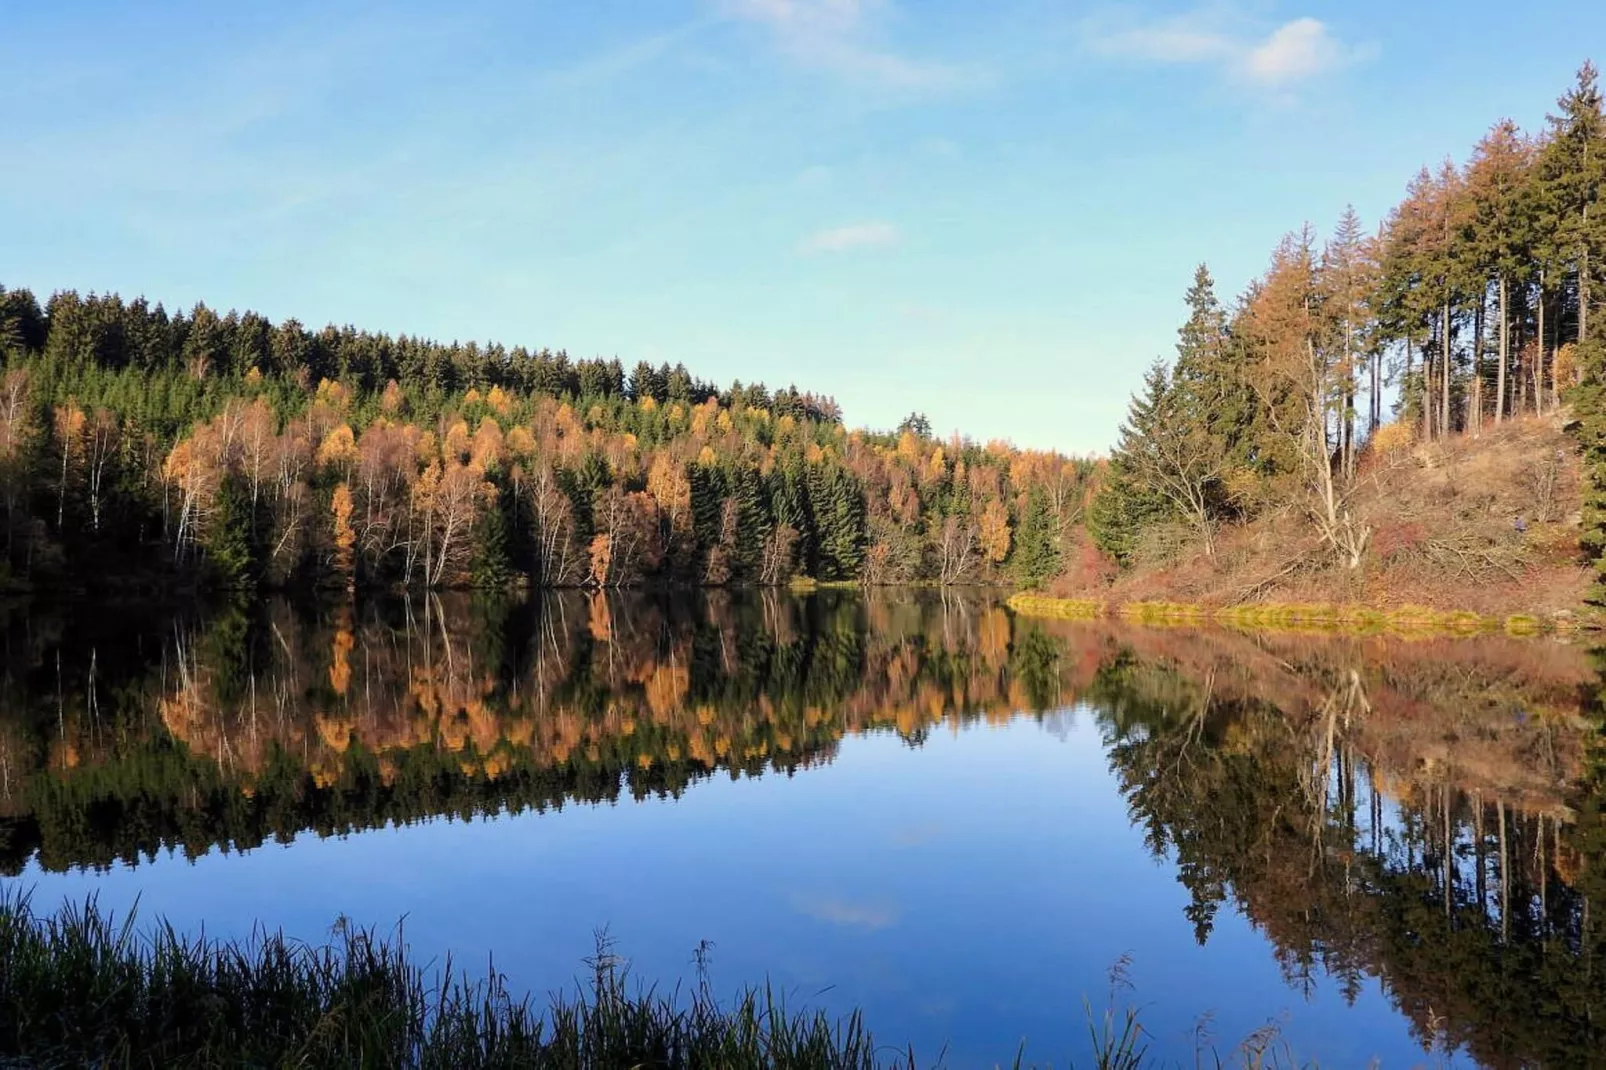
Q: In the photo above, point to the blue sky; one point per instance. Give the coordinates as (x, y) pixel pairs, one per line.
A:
(987, 212)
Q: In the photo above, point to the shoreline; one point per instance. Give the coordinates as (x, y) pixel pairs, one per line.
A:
(1408, 620)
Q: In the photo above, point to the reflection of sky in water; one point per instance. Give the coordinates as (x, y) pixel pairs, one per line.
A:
(969, 892)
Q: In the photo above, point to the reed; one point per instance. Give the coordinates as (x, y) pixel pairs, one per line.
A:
(79, 987)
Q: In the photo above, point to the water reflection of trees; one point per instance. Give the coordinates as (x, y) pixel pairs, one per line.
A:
(238, 727)
(1415, 812)
(1427, 812)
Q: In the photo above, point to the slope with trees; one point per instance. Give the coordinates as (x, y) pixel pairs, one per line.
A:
(1380, 416)
(229, 450)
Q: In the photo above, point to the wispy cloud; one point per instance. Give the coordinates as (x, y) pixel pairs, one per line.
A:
(839, 36)
(624, 59)
(1298, 50)
(851, 236)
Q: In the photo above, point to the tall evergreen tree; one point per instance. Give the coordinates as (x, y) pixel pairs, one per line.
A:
(1499, 185)
(1036, 557)
(1572, 176)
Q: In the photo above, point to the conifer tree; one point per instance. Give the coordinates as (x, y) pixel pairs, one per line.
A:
(1036, 558)
(1499, 185)
(1572, 178)
(491, 564)
(1178, 442)
(227, 542)
(1347, 282)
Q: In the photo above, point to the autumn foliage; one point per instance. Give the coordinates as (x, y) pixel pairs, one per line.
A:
(228, 449)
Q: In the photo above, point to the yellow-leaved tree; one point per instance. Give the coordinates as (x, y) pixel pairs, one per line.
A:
(345, 536)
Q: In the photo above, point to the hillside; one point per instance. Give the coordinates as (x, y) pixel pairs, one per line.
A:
(1415, 414)
(1442, 519)
(138, 447)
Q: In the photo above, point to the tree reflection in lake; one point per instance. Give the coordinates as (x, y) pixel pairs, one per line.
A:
(241, 727)
(1424, 812)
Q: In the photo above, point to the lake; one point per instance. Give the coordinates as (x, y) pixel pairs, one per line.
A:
(958, 820)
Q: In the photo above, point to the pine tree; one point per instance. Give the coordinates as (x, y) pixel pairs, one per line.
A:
(1500, 187)
(1347, 282)
(1182, 434)
(227, 543)
(1572, 177)
(490, 567)
(1036, 558)
(837, 503)
(753, 521)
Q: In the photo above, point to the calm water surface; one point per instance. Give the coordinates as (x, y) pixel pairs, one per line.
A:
(952, 818)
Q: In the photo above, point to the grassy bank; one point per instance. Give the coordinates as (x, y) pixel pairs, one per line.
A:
(1360, 620)
(80, 988)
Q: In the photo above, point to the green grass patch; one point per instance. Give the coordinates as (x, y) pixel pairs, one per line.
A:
(1037, 605)
(1523, 624)
(1406, 621)
(1163, 612)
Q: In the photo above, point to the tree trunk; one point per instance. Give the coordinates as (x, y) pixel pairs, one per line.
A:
(1505, 351)
(61, 497)
(1476, 408)
(1583, 288)
(1427, 383)
(1444, 377)
(1349, 400)
(1539, 342)
(1376, 417)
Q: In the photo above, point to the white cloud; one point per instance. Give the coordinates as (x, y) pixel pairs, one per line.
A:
(1297, 50)
(836, 35)
(852, 236)
(1301, 49)
(1179, 39)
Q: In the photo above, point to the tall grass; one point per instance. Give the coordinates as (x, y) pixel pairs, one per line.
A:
(81, 988)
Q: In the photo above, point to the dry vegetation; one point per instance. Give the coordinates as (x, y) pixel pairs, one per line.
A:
(1444, 522)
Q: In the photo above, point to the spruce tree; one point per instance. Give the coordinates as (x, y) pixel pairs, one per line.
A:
(1572, 178)
(837, 503)
(1126, 503)
(490, 566)
(227, 542)
(1036, 558)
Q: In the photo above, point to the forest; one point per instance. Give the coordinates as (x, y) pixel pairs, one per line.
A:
(1423, 404)
(226, 450)
(1317, 402)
